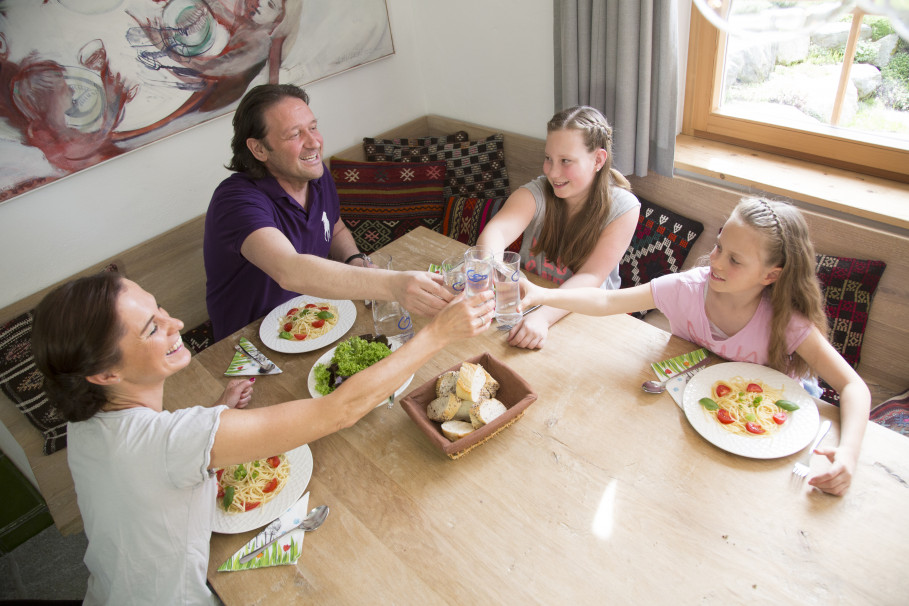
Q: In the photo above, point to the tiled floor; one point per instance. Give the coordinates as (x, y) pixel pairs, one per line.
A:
(46, 567)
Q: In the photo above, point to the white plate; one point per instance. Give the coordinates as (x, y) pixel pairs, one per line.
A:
(300, 472)
(795, 435)
(269, 330)
(326, 360)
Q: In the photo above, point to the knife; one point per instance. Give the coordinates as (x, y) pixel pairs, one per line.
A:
(265, 365)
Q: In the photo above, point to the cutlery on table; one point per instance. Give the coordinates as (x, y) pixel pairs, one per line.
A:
(312, 521)
(660, 386)
(265, 365)
(803, 467)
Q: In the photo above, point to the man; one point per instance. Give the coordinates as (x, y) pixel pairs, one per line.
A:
(274, 229)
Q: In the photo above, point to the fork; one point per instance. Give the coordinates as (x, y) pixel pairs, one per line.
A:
(802, 467)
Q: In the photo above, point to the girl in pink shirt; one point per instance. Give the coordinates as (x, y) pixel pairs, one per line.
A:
(758, 301)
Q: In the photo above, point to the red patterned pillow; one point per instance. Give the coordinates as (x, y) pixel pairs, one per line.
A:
(465, 218)
(389, 150)
(894, 413)
(381, 201)
(848, 287)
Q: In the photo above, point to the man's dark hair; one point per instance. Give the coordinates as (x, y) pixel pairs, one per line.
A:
(249, 122)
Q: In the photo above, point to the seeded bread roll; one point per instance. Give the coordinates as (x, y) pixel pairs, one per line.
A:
(455, 430)
(445, 384)
(443, 408)
(490, 387)
(485, 411)
(471, 379)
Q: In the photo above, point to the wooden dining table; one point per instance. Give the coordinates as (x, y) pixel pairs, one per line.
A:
(600, 494)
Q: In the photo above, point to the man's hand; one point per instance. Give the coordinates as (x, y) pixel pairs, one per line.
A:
(420, 292)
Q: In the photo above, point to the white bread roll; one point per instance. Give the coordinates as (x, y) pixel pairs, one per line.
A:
(443, 408)
(455, 430)
(485, 412)
(471, 379)
(463, 413)
(446, 382)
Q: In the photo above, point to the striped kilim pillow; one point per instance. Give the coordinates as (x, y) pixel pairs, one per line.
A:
(381, 201)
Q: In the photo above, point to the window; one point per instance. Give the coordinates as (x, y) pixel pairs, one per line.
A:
(773, 117)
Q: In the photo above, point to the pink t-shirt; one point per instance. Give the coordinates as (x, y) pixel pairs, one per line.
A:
(681, 298)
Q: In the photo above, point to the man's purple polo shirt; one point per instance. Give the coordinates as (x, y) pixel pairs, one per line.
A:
(238, 292)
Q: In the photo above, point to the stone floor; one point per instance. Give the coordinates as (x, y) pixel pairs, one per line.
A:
(46, 567)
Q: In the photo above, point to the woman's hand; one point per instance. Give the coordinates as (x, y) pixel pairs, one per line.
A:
(464, 318)
(237, 394)
(837, 479)
(530, 332)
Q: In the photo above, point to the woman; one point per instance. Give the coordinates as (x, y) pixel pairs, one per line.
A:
(143, 475)
(577, 219)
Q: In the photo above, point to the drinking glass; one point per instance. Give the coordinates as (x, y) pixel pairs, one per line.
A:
(389, 318)
(453, 273)
(477, 270)
(506, 273)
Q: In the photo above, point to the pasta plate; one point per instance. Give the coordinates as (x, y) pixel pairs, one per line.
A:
(794, 435)
(326, 360)
(300, 459)
(270, 329)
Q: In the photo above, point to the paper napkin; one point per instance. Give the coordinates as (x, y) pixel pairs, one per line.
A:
(244, 365)
(667, 368)
(285, 550)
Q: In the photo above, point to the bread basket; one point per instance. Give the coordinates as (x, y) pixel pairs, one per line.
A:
(514, 392)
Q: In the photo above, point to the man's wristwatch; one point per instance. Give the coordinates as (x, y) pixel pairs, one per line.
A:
(359, 255)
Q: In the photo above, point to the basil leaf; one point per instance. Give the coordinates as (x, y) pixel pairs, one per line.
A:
(708, 404)
(228, 497)
(787, 405)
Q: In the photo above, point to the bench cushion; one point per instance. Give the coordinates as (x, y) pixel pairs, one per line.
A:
(465, 218)
(389, 150)
(894, 413)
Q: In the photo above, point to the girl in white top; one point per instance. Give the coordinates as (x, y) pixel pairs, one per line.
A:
(143, 475)
(577, 221)
(759, 301)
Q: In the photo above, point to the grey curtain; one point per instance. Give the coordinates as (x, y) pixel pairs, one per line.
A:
(620, 56)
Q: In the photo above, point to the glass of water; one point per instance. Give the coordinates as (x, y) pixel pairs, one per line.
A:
(506, 271)
(453, 273)
(477, 270)
(389, 318)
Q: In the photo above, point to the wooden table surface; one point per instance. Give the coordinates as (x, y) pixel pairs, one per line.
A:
(600, 493)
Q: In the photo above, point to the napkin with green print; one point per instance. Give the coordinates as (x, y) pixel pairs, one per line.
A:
(285, 550)
(242, 364)
(674, 366)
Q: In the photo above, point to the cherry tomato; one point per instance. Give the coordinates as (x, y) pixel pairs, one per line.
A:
(272, 484)
(754, 388)
(248, 506)
(219, 474)
(288, 327)
(780, 418)
(754, 428)
(220, 493)
(274, 461)
(326, 308)
(299, 337)
(292, 311)
(722, 415)
(318, 324)
(309, 306)
(722, 389)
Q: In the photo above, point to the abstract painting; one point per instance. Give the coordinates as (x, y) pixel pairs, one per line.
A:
(83, 81)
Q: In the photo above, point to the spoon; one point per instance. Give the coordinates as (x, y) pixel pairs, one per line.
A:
(312, 521)
(660, 387)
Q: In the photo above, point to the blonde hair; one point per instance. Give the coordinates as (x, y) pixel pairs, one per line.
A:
(797, 290)
(570, 242)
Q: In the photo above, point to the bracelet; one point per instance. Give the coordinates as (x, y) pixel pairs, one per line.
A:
(356, 256)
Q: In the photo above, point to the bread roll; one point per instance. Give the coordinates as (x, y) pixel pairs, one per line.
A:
(490, 387)
(471, 379)
(445, 384)
(485, 412)
(443, 408)
(455, 430)
(463, 413)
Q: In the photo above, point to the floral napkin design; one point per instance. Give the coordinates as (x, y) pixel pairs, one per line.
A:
(244, 365)
(676, 365)
(285, 550)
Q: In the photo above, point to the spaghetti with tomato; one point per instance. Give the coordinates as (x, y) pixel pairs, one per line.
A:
(307, 322)
(246, 486)
(748, 408)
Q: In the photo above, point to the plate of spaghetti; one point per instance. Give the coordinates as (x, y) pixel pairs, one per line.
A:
(750, 410)
(306, 323)
(260, 490)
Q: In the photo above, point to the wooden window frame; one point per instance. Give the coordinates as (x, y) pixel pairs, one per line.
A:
(702, 98)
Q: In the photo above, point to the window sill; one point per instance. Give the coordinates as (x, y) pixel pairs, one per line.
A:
(852, 194)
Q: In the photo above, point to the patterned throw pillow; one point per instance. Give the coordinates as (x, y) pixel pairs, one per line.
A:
(465, 218)
(848, 287)
(381, 201)
(385, 150)
(660, 245)
(894, 413)
(475, 169)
